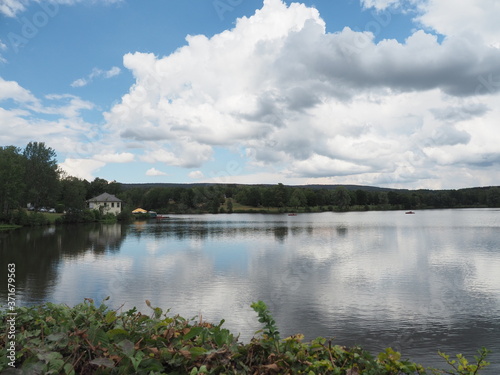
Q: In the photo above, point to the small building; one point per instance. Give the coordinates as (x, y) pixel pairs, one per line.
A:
(106, 203)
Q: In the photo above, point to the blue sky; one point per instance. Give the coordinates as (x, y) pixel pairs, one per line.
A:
(393, 93)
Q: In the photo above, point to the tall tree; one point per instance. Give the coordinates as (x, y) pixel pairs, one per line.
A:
(187, 198)
(342, 197)
(114, 187)
(268, 197)
(41, 174)
(73, 192)
(280, 195)
(298, 198)
(361, 197)
(253, 196)
(12, 166)
(494, 197)
(97, 187)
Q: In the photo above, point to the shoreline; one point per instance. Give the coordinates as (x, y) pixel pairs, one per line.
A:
(57, 219)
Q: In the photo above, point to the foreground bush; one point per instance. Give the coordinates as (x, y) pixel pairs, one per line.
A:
(22, 218)
(90, 339)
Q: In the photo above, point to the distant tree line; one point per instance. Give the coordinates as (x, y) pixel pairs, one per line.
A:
(30, 177)
(281, 198)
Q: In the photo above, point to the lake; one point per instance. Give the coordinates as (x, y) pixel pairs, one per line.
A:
(418, 283)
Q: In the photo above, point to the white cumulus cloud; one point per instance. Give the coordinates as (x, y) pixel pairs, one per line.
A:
(317, 104)
(295, 100)
(155, 172)
(82, 168)
(12, 90)
(472, 18)
(124, 157)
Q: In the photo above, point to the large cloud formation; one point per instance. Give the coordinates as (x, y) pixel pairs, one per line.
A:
(317, 104)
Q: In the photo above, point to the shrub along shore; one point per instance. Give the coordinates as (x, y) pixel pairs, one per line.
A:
(92, 339)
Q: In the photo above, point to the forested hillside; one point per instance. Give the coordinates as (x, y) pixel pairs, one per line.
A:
(281, 198)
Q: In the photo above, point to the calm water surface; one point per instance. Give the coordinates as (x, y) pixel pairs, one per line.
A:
(419, 283)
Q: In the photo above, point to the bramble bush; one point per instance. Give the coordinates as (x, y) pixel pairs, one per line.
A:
(90, 339)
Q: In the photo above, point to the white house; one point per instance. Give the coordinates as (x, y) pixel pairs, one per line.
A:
(107, 203)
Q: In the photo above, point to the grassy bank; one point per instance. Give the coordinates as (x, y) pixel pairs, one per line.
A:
(8, 227)
(91, 339)
(51, 217)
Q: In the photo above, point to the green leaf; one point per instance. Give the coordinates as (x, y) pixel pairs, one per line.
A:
(137, 359)
(56, 365)
(152, 366)
(197, 351)
(195, 331)
(56, 336)
(97, 335)
(106, 362)
(223, 337)
(127, 346)
(110, 317)
(164, 323)
(116, 332)
(68, 369)
(49, 356)
(157, 312)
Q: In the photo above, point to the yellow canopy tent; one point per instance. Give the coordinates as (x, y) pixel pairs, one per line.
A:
(139, 211)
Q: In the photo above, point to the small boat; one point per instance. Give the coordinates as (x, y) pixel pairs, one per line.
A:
(410, 212)
(292, 214)
(161, 216)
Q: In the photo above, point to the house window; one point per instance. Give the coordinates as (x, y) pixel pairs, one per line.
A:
(112, 204)
(117, 204)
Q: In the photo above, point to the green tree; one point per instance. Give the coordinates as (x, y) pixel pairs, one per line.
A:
(394, 198)
(280, 195)
(361, 197)
(298, 198)
(153, 199)
(214, 205)
(493, 197)
(114, 188)
(383, 198)
(73, 192)
(342, 198)
(187, 198)
(97, 187)
(249, 195)
(268, 197)
(311, 197)
(241, 196)
(253, 196)
(133, 197)
(12, 166)
(41, 174)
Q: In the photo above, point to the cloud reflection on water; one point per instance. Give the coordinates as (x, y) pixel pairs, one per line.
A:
(420, 284)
